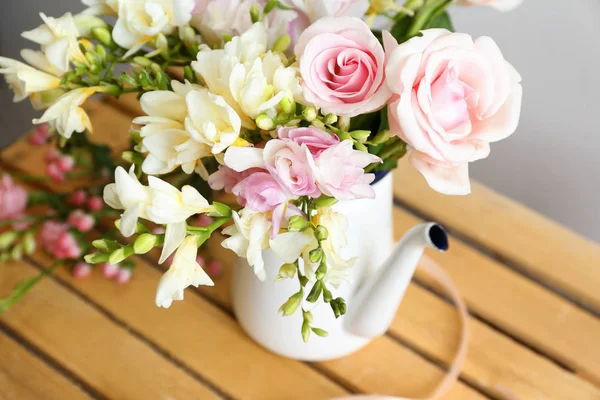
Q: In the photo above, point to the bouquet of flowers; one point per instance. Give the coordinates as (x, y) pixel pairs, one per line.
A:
(288, 105)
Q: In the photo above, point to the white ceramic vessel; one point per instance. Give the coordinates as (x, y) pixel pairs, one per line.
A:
(373, 291)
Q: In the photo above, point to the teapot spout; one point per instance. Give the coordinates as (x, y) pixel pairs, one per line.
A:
(374, 306)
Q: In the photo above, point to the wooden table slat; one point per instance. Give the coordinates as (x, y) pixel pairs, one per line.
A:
(24, 376)
(91, 346)
(549, 252)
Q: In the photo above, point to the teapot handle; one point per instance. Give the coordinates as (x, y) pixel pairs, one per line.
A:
(432, 268)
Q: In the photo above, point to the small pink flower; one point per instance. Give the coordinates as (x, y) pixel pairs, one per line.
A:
(123, 275)
(40, 136)
(288, 162)
(81, 221)
(226, 178)
(260, 192)
(95, 204)
(67, 247)
(65, 163)
(81, 270)
(453, 96)
(315, 139)
(78, 198)
(201, 260)
(109, 271)
(340, 172)
(342, 66)
(13, 199)
(50, 231)
(54, 172)
(51, 155)
(214, 269)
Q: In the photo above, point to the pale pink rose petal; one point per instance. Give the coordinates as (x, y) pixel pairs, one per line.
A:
(447, 179)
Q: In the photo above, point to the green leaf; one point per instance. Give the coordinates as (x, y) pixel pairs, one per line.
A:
(400, 28)
(441, 20)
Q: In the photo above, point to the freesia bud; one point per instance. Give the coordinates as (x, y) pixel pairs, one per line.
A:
(331, 119)
(264, 122)
(288, 105)
(254, 14)
(121, 254)
(7, 238)
(287, 271)
(291, 305)
(105, 245)
(308, 316)
(17, 252)
(320, 332)
(309, 113)
(316, 255)
(144, 243)
(315, 292)
(325, 201)
(282, 44)
(187, 36)
(297, 223)
(321, 233)
(381, 137)
(305, 331)
(29, 243)
(361, 136)
(143, 61)
(96, 258)
(220, 210)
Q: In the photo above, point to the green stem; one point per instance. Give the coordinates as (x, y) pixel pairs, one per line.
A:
(430, 9)
(24, 287)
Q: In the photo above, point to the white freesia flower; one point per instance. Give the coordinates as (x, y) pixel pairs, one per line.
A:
(66, 114)
(337, 267)
(212, 121)
(59, 40)
(184, 126)
(101, 7)
(25, 80)
(252, 80)
(158, 202)
(184, 272)
(139, 22)
(249, 237)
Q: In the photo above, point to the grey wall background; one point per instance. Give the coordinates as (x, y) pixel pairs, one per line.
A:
(551, 164)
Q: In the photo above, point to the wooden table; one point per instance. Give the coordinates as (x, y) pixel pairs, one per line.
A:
(533, 288)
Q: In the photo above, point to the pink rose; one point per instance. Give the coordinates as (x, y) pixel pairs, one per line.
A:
(342, 66)
(314, 139)
(452, 97)
(260, 192)
(340, 172)
(13, 199)
(288, 162)
(502, 5)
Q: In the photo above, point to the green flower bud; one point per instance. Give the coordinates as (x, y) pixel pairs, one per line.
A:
(287, 271)
(331, 119)
(307, 315)
(322, 270)
(316, 255)
(270, 6)
(361, 147)
(17, 252)
(96, 258)
(120, 255)
(315, 292)
(327, 296)
(92, 59)
(320, 332)
(143, 61)
(309, 114)
(105, 245)
(303, 281)
(338, 306)
(144, 243)
(360, 135)
(254, 14)
(102, 34)
(325, 201)
(187, 35)
(381, 137)
(288, 105)
(189, 74)
(344, 123)
(220, 210)
(264, 122)
(305, 331)
(29, 243)
(297, 223)
(101, 52)
(343, 135)
(112, 90)
(282, 44)
(7, 238)
(321, 233)
(291, 305)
